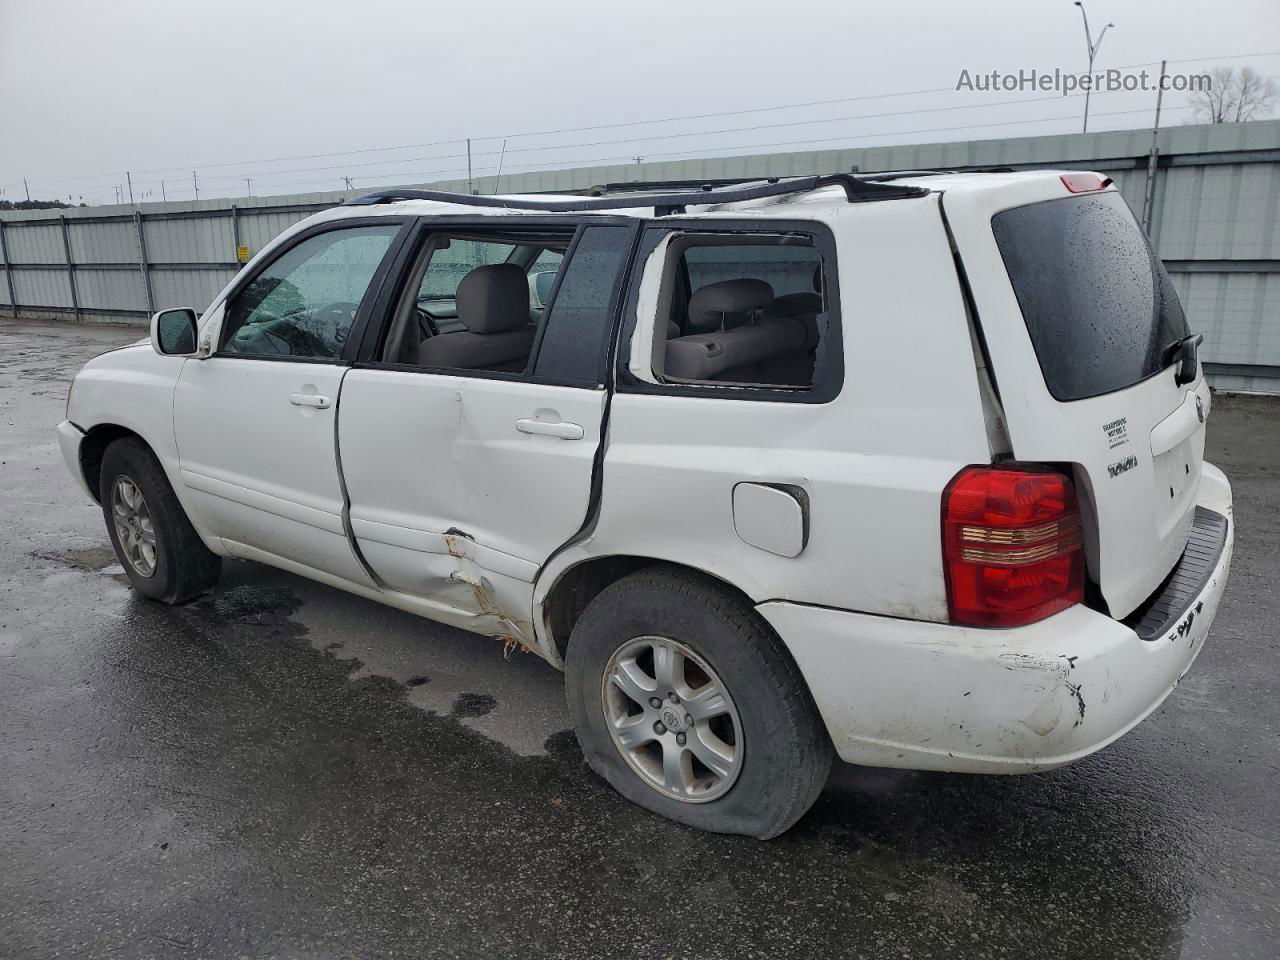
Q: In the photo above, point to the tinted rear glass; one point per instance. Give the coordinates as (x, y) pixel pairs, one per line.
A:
(1097, 302)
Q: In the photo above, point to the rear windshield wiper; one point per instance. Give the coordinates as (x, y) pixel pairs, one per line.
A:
(1186, 352)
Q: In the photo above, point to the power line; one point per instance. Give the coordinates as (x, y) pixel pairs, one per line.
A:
(671, 136)
(408, 176)
(632, 123)
(656, 136)
(661, 136)
(845, 139)
(1233, 56)
(540, 133)
(405, 176)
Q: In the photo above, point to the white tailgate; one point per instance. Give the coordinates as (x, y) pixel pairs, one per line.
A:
(1136, 451)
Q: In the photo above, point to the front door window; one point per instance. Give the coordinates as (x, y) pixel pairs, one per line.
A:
(304, 303)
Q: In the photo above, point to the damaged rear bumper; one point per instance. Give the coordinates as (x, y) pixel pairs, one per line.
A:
(930, 696)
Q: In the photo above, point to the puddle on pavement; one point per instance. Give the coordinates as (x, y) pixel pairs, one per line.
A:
(473, 705)
(92, 559)
(516, 700)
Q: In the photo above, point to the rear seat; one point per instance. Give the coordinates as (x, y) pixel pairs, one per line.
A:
(746, 341)
(799, 304)
(797, 369)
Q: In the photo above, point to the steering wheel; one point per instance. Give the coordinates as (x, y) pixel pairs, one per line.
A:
(337, 317)
(287, 334)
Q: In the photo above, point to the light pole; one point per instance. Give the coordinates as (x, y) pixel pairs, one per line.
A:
(1093, 52)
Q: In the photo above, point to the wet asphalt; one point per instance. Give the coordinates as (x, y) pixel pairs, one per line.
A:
(283, 770)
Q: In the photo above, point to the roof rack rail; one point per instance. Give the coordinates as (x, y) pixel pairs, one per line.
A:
(884, 176)
(631, 186)
(856, 190)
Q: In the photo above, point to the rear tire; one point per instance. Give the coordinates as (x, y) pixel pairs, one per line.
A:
(162, 555)
(768, 752)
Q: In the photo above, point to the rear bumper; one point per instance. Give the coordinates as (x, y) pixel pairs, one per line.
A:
(930, 696)
(69, 437)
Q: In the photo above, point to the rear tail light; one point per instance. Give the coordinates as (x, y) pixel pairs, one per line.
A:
(1011, 545)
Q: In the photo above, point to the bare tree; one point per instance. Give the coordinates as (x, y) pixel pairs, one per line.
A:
(1234, 96)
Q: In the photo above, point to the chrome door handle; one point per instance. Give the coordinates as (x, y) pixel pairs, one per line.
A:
(544, 428)
(309, 400)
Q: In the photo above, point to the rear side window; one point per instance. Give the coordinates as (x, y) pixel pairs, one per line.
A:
(744, 310)
(1097, 302)
(787, 269)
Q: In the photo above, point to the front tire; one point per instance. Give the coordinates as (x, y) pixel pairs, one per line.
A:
(162, 555)
(688, 704)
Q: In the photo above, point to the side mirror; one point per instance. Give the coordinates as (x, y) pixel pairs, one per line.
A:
(540, 284)
(173, 332)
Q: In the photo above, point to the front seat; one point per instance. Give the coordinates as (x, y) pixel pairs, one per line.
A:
(493, 302)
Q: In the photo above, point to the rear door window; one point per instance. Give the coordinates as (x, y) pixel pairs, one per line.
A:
(449, 264)
(475, 299)
(1097, 302)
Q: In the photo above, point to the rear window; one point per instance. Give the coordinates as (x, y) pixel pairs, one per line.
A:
(1096, 300)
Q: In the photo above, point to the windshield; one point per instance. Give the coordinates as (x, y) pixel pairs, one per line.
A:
(1098, 304)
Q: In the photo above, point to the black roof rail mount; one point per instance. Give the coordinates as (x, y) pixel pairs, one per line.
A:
(632, 186)
(884, 176)
(856, 190)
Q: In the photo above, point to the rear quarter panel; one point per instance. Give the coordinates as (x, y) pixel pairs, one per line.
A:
(873, 461)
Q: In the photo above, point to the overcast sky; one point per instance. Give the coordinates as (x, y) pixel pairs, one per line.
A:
(92, 88)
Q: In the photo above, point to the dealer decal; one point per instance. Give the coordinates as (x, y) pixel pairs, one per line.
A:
(1117, 432)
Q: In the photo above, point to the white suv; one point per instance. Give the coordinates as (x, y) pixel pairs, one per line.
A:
(904, 468)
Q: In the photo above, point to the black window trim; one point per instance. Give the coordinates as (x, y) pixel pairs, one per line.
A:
(551, 299)
(372, 293)
(828, 382)
(423, 228)
(617, 293)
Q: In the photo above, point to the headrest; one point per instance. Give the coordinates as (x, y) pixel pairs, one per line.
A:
(817, 279)
(794, 304)
(710, 303)
(494, 298)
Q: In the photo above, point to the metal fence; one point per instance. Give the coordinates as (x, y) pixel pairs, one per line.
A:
(100, 264)
(1215, 220)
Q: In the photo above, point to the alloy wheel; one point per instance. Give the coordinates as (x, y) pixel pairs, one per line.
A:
(134, 529)
(672, 719)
